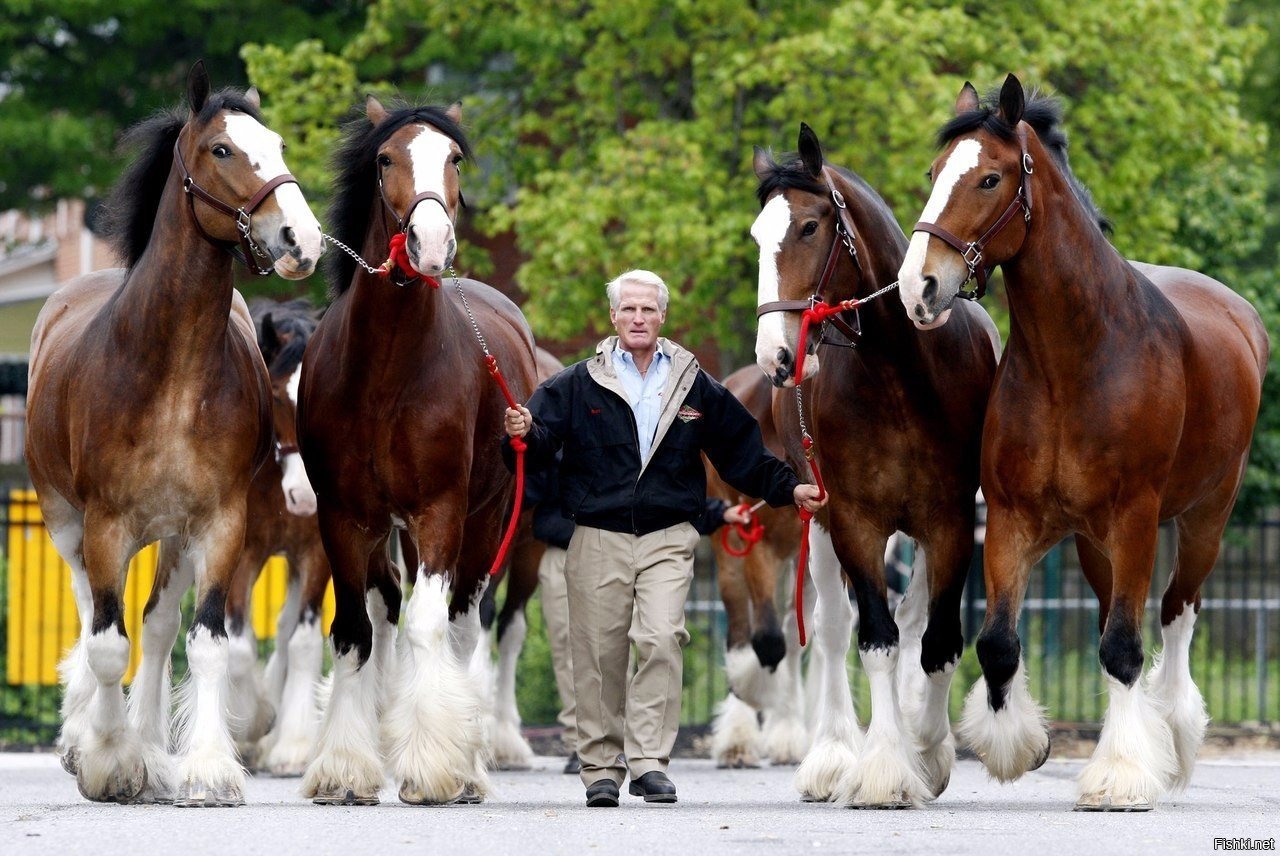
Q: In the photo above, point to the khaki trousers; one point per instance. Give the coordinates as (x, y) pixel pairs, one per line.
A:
(555, 615)
(623, 590)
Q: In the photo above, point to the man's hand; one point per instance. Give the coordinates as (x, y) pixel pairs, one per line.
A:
(737, 514)
(518, 422)
(806, 496)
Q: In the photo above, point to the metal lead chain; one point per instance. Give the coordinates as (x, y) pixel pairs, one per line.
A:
(331, 239)
(804, 429)
(484, 346)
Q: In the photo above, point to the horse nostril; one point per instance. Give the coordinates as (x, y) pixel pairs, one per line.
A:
(287, 235)
(919, 311)
(930, 292)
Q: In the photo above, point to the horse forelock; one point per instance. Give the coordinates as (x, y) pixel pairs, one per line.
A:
(790, 174)
(1044, 114)
(129, 212)
(356, 180)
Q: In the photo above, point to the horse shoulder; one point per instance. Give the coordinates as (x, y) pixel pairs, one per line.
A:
(68, 311)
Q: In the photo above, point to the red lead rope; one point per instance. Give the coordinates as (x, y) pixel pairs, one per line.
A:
(750, 533)
(518, 446)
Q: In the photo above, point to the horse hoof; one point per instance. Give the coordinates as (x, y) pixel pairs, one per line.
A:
(196, 794)
(810, 798)
(119, 788)
(738, 764)
(937, 789)
(286, 771)
(413, 795)
(1104, 802)
(1044, 756)
(896, 803)
(470, 796)
(344, 796)
(70, 761)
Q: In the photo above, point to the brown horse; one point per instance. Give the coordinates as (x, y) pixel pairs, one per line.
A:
(896, 415)
(763, 653)
(399, 423)
(1127, 395)
(148, 413)
(281, 520)
(510, 750)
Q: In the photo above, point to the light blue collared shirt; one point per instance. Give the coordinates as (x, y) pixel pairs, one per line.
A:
(643, 392)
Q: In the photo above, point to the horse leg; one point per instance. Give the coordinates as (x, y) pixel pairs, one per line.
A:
(1134, 761)
(249, 713)
(433, 727)
(735, 729)
(948, 554)
(837, 738)
(383, 599)
(275, 674)
(1097, 572)
(510, 750)
(785, 734)
(911, 617)
(888, 773)
(347, 769)
(293, 739)
(149, 694)
(66, 528)
(1001, 722)
(209, 772)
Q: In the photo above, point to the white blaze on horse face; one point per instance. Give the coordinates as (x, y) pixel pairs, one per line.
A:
(948, 268)
(299, 496)
(292, 238)
(431, 153)
(769, 231)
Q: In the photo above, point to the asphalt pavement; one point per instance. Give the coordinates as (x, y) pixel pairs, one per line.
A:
(719, 812)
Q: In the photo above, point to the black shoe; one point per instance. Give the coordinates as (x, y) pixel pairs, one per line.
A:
(572, 766)
(602, 793)
(654, 786)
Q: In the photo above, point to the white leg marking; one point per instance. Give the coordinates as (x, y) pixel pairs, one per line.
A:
(111, 766)
(510, 750)
(294, 741)
(735, 734)
(1175, 695)
(1010, 741)
(208, 770)
(347, 764)
(1135, 761)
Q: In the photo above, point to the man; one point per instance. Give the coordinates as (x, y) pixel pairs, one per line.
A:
(631, 422)
(552, 528)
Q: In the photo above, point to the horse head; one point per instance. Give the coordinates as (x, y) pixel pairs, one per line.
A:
(808, 251)
(981, 185)
(235, 177)
(419, 165)
(283, 342)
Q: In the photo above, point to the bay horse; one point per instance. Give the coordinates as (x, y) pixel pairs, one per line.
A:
(895, 416)
(1127, 396)
(509, 624)
(762, 657)
(275, 726)
(399, 425)
(147, 415)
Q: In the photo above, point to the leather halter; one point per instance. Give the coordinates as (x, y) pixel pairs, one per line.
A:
(402, 222)
(845, 237)
(972, 251)
(242, 215)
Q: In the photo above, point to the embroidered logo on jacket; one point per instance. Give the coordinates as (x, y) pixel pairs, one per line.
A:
(688, 414)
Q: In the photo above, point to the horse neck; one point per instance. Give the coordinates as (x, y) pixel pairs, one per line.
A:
(1068, 288)
(180, 289)
(881, 248)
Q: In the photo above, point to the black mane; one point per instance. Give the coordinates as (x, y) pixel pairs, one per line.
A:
(790, 174)
(1044, 114)
(129, 211)
(296, 318)
(357, 179)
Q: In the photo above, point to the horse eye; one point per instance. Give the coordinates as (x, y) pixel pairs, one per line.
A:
(220, 151)
(809, 228)
(384, 161)
(928, 174)
(990, 181)
(457, 160)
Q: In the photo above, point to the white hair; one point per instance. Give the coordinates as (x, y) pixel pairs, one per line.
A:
(637, 277)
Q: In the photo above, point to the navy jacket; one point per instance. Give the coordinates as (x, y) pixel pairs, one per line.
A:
(583, 412)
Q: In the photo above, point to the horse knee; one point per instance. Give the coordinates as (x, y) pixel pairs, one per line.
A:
(999, 653)
(1121, 653)
(770, 647)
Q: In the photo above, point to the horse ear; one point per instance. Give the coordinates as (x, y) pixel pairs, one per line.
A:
(375, 111)
(810, 150)
(762, 163)
(455, 112)
(269, 341)
(967, 100)
(1012, 101)
(197, 86)
(255, 100)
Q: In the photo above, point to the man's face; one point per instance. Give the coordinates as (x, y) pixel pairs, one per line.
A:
(637, 318)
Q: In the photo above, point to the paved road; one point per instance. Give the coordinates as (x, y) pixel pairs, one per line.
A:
(720, 812)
